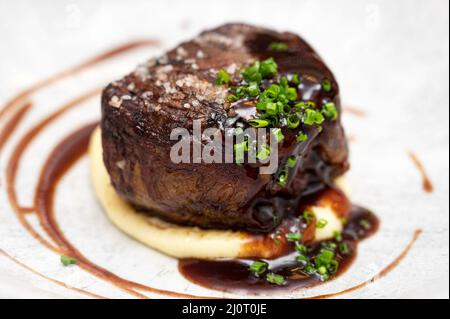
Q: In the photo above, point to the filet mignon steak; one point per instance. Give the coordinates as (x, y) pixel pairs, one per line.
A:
(140, 110)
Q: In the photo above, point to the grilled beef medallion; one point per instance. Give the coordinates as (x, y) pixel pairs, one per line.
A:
(281, 82)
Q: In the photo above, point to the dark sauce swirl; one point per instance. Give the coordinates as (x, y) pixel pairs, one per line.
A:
(234, 275)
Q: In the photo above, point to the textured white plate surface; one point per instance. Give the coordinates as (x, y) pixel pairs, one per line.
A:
(390, 58)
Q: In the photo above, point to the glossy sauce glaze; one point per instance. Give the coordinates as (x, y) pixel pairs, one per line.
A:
(234, 275)
(312, 173)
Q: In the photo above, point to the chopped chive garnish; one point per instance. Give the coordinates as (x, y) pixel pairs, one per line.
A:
(300, 248)
(291, 161)
(337, 235)
(223, 77)
(309, 269)
(258, 123)
(291, 94)
(293, 236)
(330, 111)
(284, 83)
(313, 117)
(278, 47)
(66, 260)
(344, 248)
(293, 121)
(258, 267)
(241, 91)
(282, 178)
(271, 108)
(326, 85)
(311, 104)
(278, 135)
(302, 137)
(272, 91)
(333, 266)
(253, 90)
(263, 153)
(303, 259)
(261, 106)
(277, 104)
(275, 279)
(308, 216)
(321, 223)
(324, 258)
(295, 79)
(252, 74)
(300, 105)
(322, 270)
(305, 105)
(232, 98)
(239, 151)
(268, 68)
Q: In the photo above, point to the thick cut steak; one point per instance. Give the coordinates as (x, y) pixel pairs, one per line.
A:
(140, 110)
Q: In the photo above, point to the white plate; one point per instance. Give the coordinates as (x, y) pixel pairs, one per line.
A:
(391, 60)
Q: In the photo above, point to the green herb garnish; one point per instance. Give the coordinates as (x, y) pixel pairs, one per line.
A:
(324, 258)
(278, 135)
(291, 94)
(321, 223)
(291, 161)
(308, 216)
(293, 236)
(275, 279)
(263, 153)
(344, 248)
(326, 85)
(277, 103)
(301, 248)
(66, 260)
(302, 137)
(293, 121)
(278, 47)
(337, 235)
(258, 268)
(322, 270)
(223, 77)
(272, 91)
(239, 151)
(268, 68)
(295, 79)
(258, 123)
(330, 111)
(313, 117)
(252, 74)
(282, 178)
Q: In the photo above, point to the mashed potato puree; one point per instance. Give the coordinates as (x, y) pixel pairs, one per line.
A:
(181, 241)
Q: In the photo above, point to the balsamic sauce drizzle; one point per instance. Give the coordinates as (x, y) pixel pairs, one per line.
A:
(234, 275)
(427, 185)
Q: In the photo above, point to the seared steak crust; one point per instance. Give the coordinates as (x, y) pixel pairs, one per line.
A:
(140, 111)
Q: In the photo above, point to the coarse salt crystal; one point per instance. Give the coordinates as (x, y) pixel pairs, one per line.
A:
(115, 102)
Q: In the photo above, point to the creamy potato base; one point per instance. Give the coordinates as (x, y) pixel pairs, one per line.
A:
(182, 241)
